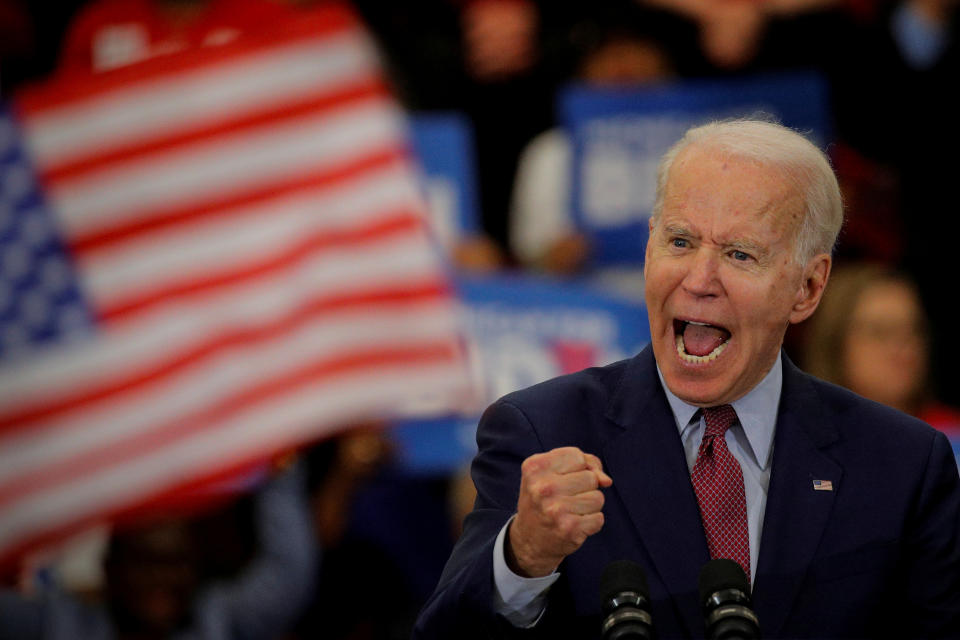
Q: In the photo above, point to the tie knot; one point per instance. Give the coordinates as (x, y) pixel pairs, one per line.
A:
(718, 420)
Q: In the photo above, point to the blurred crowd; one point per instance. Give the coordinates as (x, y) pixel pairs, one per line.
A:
(340, 543)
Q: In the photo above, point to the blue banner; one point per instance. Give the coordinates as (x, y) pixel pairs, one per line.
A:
(443, 143)
(619, 136)
(522, 331)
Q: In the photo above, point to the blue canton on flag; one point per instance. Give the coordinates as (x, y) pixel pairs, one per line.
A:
(40, 299)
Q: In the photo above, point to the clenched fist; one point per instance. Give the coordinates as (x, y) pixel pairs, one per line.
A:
(559, 507)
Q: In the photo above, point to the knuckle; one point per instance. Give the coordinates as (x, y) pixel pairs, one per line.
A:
(571, 454)
(542, 489)
(554, 512)
(584, 482)
(580, 458)
(569, 527)
(596, 524)
(593, 499)
(532, 464)
(592, 480)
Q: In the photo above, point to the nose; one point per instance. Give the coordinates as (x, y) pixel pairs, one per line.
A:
(701, 278)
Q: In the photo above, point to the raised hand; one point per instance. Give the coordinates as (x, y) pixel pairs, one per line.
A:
(558, 509)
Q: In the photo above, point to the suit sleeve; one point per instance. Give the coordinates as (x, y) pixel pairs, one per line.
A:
(932, 548)
(462, 606)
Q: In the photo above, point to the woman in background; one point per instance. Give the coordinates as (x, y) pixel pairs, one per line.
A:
(871, 335)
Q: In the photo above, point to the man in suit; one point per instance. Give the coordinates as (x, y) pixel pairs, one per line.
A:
(710, 443)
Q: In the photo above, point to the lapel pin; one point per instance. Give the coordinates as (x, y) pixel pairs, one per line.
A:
(822, 485)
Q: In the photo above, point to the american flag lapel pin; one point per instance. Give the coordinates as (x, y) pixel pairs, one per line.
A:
(823, 485)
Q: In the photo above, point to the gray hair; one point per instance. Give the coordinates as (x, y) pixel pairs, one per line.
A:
(772, 144)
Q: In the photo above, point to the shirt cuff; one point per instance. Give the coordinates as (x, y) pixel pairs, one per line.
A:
(520, 600)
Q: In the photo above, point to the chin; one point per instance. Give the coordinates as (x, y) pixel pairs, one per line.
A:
(698, 396)
(694, 387)
(701, 385)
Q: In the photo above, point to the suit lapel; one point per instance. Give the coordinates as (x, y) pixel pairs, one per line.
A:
(796, 514)
(646, 459)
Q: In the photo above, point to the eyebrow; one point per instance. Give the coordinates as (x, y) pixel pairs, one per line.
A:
(676, 230)
(747, 246)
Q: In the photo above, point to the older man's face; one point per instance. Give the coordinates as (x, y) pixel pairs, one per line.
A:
(721, 282)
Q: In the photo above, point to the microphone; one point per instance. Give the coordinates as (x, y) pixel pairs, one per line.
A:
(625, 599)
(725, 595)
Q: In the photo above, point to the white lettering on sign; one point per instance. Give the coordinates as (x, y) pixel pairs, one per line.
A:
(511, 350)
(619, 160)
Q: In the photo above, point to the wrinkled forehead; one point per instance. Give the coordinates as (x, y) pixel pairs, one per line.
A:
(741, 188)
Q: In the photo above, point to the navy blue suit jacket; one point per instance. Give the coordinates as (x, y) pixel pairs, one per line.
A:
(878, 556)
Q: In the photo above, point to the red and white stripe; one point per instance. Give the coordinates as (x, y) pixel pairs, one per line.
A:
(246, 224)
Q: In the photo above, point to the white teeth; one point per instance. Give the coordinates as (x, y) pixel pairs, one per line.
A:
(687, 357)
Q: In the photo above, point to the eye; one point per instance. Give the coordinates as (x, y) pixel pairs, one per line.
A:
(680, 243)
(740, 256)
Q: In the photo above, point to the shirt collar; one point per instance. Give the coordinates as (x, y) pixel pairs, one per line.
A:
(757, 411)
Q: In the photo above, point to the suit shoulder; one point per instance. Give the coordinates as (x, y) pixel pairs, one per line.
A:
(575, 399)
(593, 384)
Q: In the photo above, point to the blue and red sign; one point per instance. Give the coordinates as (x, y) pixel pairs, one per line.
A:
(522, 331)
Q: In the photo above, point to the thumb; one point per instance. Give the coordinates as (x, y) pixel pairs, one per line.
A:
(594, 464)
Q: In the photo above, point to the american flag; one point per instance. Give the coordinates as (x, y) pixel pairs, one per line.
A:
(823, 485)
(231, 261)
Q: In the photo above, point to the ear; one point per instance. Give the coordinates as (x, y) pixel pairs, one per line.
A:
(651, 225)
(815, 276)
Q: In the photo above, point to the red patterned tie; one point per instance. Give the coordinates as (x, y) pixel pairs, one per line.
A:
(718, 482)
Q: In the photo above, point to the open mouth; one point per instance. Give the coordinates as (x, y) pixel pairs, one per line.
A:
(699, 342)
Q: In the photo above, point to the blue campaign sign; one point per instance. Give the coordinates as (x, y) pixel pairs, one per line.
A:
(443, 143)
(522, 331)
(619, 136)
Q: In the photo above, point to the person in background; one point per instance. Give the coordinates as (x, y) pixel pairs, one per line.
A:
(871, 335)
(618, 51)
(344, 475)
(155, 589)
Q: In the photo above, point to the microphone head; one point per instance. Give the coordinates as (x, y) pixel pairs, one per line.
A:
(721, 574)
(620, 576)
(625, 602)
(725, 598)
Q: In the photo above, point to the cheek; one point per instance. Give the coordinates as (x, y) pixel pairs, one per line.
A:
(759, 306)
(656, 287)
